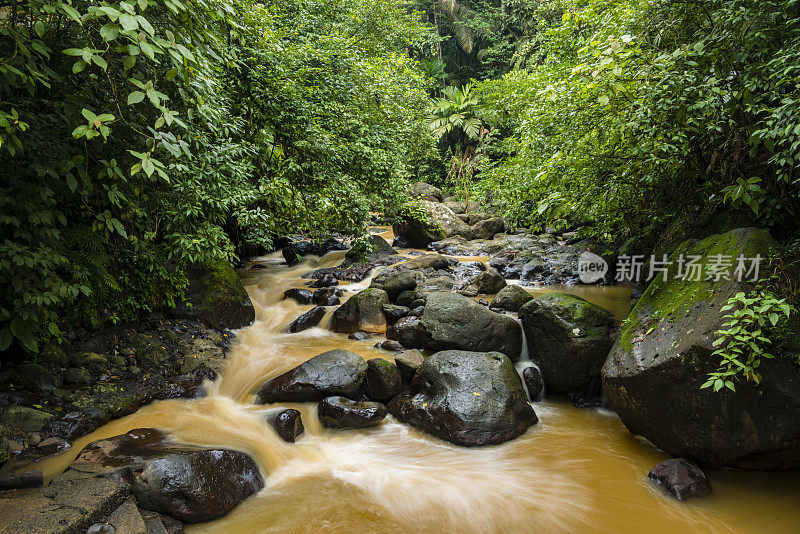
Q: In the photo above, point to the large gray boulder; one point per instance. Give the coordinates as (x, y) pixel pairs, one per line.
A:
(569, 338)
(335, 372)
(467, 398)
(425, 191)
(434, 222)
(488, 228)
(362, 312)
(511, 298)
(664, 354)
(452, 321)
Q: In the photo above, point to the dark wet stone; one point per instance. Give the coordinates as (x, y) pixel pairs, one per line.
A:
(26, 479)
(390, 345)
(326, 280)
(680, 478)
(335, 372)
(73, 425)
(466, 398)
(383, 380)
(288, 424)
(534, 382)
(340, 412)
(358, 336)
(302, 296)
(362, 312)
(309, 319)
(327, 296)
(408, 363)
(405, 298)
(394, 312)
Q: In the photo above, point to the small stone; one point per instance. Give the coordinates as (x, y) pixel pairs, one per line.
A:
(287, 424)
(358, 336)
(390, 345)
(534, 382)
(680, 478)
(341, 412)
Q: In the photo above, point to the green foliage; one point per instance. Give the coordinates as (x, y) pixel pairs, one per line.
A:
(139, 137)
(749, 335)
(641, 110)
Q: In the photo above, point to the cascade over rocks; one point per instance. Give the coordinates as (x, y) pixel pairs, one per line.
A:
(335, 372)
(664, 353)
(467, 398)
(341, 412)
(569, 338)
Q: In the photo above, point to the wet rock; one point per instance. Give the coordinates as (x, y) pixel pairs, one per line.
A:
(439, 222)
(409, 332)
(217, 296)
(326, 280)
(363, 311)
(358, 336)
(51, 446)
(429, 261)
(26, 479)
(408, 363)
(664, 353)
(288, 424)
(425, 191)
(680, 478)
(390, 345)
(454, 246)
(383, 380)
(405, 298)
(379, 247)
(511, 298)
(25, 419)
(452, 321)
(309, 319)
(189, 483)
(487, 228)
(394, 312)
(296, 249)
(335, 372)
(94, 362)
(569, 338)
(467, 398)
(77, 375)
(127, 519)
(327, 296)
(533, 382)
(340, 412)
(488, 282)
(34, 377)
(302, 296)
(73, 425)
(396, 283)
(200, 352)
(416, 312)
(432, 285)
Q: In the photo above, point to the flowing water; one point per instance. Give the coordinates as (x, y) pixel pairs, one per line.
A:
(578, 470)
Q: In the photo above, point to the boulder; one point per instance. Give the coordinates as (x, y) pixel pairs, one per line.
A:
(429, 261)
(452, 321)
(189, 483)
(326, 280)
(217, 296)
(511, 298)
(34, 377)
(363, 311)
(408, 363)
(425, 191)
(569, 338)
(394, 312)
(488, 228)
(327, 296)
(653, 374)
(434, 222)
(73, 425)
(396, 283)
(383, 380)
(335, 372)
(302, 296)
(378, 247)
(309, 319)
(341, 412)
(680, 478)
(25, 419)
(288, 424)
(391, 345)
(488, 282)
(77, 375)
(466, 398)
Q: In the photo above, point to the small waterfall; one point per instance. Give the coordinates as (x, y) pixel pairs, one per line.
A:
(524, 362)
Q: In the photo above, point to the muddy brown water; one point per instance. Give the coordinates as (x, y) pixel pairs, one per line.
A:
(578, 470)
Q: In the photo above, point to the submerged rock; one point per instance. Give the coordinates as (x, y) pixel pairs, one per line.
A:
(664, 354)
(363, 311)
(466, 398)
(288, 424)
(341, 412)
(189, 483)
(680, 478)
(569, 338)
(335, 372)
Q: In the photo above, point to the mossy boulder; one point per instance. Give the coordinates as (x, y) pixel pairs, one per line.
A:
(569, 338)
(396, 283)
(36, 378)
(467, 398)
(511, 298)
(425, 191)
(664, 354)
(383, 380)
(433, 222)
(362, 312)
(217, 297)
(25, 419)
